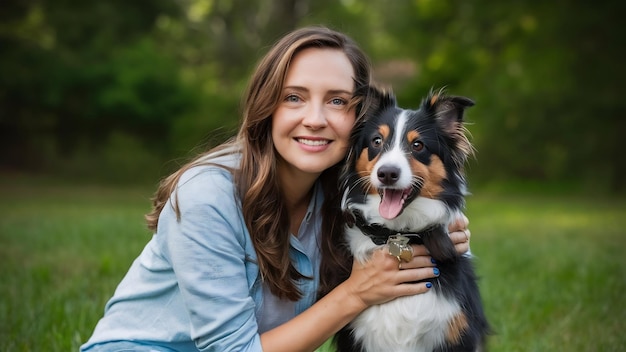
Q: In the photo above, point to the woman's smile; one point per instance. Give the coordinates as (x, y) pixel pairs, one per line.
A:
(312, 123)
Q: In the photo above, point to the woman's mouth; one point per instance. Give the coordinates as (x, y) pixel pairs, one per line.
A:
(313, 142)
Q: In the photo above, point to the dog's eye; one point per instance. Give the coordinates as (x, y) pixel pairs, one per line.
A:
(417, 146)
(377, 142)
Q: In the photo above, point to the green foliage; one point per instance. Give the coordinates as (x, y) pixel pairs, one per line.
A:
(215, 121)
(545, 96)
(551, 267)
(71, 81)
(548, 85)
(135, 77)
(119, 159)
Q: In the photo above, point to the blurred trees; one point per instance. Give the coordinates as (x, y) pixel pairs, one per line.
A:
(547, 78)
(116, 85)
(75, 75)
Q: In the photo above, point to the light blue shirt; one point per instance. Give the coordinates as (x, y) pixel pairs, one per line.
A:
(196, 284)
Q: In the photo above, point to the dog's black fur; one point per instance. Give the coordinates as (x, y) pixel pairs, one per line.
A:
(430, 144)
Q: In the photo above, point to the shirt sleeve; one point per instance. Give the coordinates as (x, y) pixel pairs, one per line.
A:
(207, 249)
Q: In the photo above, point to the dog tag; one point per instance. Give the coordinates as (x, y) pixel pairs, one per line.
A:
(399, 247)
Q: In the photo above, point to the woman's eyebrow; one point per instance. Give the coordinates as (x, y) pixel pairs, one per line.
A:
(295, 88)
(340, 91)
(332, 91)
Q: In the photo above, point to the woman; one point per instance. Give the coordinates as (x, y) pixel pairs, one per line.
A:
(235, 260)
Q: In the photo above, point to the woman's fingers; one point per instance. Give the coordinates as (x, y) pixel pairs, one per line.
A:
(460, 234)
(419, 250)
(413, 275)
(384, 277)
(417, 274)
(461, 240)
(460, 223)
(420, 261)
(412, 289)
(415, 281)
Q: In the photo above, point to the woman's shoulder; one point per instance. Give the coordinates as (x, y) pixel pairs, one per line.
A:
(216, 168)
(209, 178)
(206, 174)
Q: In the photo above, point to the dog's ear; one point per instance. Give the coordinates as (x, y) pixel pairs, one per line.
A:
(448, 112)
(377, 99)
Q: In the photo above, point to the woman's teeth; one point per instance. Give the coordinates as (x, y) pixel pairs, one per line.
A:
(311, 142)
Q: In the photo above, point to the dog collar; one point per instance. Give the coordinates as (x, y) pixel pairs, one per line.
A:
(379, 233)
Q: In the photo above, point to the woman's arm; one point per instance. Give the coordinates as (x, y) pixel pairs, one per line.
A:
(211, 258)
(374, 282)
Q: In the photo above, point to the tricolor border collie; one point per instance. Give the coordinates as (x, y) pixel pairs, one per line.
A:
(404, 175)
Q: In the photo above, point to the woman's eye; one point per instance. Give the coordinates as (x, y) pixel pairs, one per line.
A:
(291, 98)
(338, 101)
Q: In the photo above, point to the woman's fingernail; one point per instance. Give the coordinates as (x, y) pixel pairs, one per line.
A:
(436, 271)
(429, 285)
(432, 260)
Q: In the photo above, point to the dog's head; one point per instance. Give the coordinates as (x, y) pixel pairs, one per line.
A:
(400, 155)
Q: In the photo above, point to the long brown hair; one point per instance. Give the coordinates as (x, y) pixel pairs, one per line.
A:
(262, 203)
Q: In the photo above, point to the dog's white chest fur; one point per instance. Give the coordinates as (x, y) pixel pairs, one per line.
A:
(411, 324)
(406, 324)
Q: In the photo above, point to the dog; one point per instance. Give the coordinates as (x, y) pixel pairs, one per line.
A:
(405, 176)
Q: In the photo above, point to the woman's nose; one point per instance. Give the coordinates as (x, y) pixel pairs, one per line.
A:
(314, 117)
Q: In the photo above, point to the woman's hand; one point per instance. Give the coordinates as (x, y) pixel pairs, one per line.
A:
(380, 279)
(383, 277)
(460, 235)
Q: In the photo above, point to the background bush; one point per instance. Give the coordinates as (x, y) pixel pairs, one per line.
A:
(76, 76)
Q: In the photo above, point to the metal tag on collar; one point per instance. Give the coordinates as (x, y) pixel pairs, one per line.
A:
(399, 247)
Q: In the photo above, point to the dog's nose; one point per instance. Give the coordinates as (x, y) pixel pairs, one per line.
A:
(388, 175)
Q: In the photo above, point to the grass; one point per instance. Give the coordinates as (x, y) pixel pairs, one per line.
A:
(553, 272)
(552, 268)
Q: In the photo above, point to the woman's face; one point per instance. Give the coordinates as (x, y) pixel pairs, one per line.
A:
(311, 126)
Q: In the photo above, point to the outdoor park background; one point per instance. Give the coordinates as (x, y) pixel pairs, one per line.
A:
(99, 100)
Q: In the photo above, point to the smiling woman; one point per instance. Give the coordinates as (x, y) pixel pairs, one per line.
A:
(311, 126)
(312, 123)
(241, 231)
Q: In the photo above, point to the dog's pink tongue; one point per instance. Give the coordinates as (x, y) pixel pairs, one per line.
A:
(391, 204)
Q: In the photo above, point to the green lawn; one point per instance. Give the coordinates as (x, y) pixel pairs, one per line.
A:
(552, 269)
